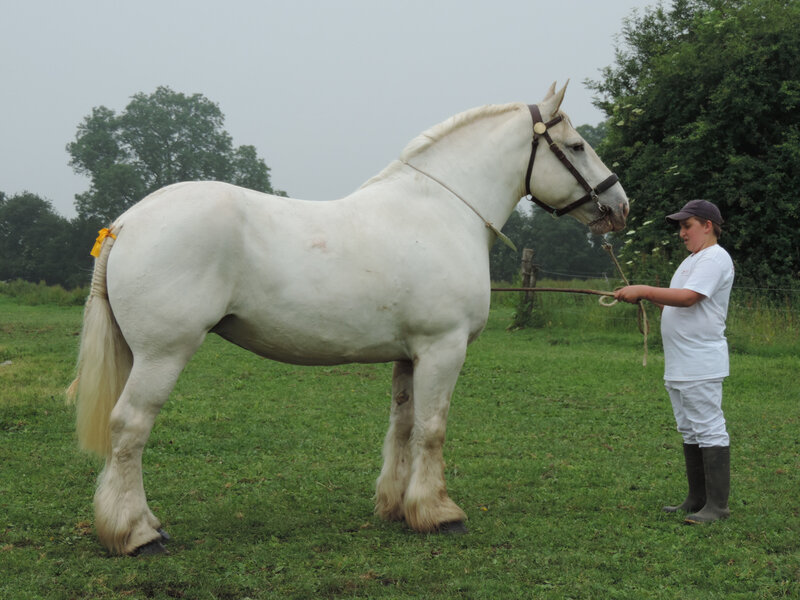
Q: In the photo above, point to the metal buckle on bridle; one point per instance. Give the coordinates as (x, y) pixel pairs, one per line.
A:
(596, 199)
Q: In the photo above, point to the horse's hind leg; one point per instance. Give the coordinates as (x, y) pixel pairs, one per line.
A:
(426, 505)
(396, 471)
(123, 520)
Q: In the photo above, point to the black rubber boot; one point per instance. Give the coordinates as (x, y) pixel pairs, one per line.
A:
(696, 499)
(717, 464)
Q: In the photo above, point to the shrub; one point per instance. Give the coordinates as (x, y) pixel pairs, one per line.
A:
(35, 294)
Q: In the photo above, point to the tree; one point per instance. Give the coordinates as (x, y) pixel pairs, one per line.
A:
(33, 238)
(704, 102)
(593, 135)
(563, 248)
(157, 140)
(250, 171)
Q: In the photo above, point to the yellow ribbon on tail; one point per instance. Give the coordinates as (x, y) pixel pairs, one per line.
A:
(98, 244)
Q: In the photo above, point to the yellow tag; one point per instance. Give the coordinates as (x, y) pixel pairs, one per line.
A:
(539, 128)
(98, 244)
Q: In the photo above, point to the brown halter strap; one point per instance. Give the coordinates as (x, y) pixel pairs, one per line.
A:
(540, 129)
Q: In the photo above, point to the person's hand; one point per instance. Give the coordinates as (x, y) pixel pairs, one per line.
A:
(631, 293)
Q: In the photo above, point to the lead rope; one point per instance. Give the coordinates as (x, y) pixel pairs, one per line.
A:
(606, 298)
(641, 317)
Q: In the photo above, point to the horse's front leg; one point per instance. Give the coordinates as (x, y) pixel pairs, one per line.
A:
(426, 505)
(393, 480)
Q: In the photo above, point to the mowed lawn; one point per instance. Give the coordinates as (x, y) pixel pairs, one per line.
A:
(561, 449)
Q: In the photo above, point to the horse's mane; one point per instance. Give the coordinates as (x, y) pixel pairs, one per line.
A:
(429, 137)
(440, 131)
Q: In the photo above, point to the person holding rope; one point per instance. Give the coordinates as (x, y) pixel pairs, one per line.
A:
(694, 309)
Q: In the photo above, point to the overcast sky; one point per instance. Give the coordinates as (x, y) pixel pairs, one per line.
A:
(329, 92)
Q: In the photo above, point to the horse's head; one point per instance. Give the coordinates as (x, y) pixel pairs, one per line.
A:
(565, 175)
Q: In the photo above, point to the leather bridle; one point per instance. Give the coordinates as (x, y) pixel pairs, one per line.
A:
(592, 193)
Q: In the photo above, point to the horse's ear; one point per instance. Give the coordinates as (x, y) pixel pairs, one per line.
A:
(551, 91)
(560, 96)
(555, 99)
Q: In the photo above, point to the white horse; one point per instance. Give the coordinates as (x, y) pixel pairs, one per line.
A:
(397, 271)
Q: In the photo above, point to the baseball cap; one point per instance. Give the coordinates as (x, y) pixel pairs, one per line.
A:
(697, 208)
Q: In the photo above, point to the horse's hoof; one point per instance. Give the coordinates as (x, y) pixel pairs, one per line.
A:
(151, 549)
(453, 528)
(165, 537)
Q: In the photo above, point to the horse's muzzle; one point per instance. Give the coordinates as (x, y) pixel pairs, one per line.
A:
(610, 218)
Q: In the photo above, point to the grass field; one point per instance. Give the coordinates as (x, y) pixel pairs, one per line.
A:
(561, 449)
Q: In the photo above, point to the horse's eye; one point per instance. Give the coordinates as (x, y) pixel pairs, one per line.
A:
(577, 147)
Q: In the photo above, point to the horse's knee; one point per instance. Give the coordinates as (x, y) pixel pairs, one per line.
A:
(428, 437)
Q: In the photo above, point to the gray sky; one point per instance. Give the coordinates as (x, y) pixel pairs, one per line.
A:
(329, 92)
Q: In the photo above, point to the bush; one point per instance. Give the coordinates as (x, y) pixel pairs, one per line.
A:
(35, 294)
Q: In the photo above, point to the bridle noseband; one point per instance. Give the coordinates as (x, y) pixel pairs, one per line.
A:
(592, 193)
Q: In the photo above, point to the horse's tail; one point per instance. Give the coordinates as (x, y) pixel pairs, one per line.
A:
(104, 363)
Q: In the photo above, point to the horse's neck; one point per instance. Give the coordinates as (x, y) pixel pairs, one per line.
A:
(483, 162)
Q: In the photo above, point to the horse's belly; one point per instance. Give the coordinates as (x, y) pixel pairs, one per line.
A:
(310, 343)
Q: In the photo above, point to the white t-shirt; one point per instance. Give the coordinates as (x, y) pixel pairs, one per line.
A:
(695, 347)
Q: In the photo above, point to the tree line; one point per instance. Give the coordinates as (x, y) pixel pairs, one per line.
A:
(161, 138)
(703, 101)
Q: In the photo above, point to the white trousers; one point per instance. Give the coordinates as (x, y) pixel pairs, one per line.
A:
(697, 406)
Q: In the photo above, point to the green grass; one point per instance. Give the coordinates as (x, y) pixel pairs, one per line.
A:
(561, 449)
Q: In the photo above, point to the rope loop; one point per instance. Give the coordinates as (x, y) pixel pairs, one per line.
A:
(606, 299)
(641, 316)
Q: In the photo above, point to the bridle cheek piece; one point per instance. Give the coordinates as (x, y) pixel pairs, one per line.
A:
(592, 193)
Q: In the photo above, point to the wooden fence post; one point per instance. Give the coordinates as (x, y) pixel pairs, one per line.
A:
(528, 273)
(523, 315)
